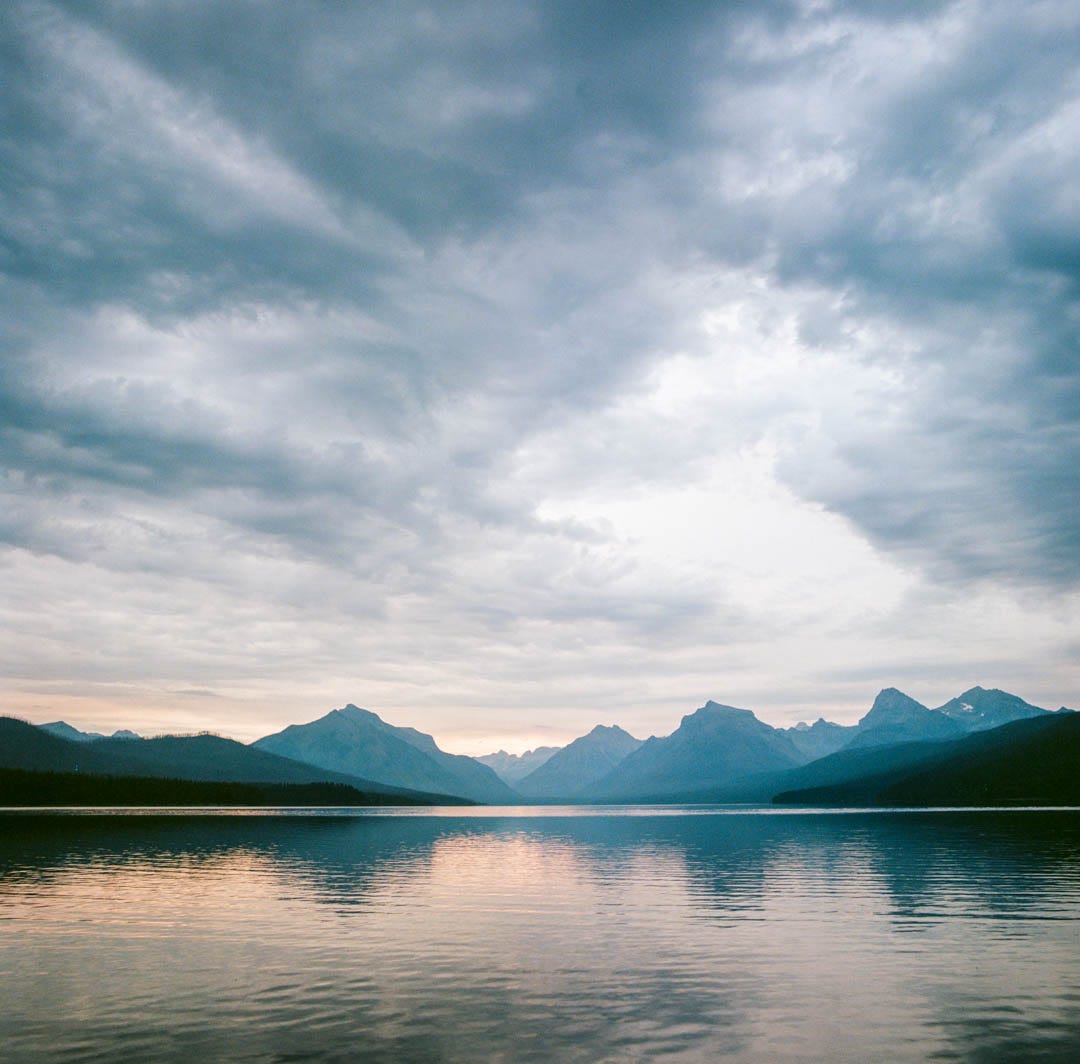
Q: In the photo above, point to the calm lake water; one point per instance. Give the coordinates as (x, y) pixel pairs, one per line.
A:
(541, 935)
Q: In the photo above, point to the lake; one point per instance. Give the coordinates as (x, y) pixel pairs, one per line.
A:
(518, 935)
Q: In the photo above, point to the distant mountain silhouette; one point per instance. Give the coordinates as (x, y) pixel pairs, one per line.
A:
(896, 718)
(63, 730)
(513, 767)
(717, 754)
(820, 738)
(358, 742)
(583, 762)
(190, 757)
(1033, 761)
(714, 746)
(898, 733)
(978, 708)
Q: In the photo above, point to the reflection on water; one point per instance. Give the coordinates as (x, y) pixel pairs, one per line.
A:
(893, 937)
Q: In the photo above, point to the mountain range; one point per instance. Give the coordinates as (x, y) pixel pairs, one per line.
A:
(359, 743)
(569, 772)
(1032, 761)
(718, 753)
(203, 758)
(513, 767)
(714, 744)
(63, 730)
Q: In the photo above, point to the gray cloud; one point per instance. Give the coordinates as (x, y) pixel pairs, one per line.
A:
(371, 309)
(937, 203)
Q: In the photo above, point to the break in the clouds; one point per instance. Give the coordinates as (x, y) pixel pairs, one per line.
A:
(508, 367)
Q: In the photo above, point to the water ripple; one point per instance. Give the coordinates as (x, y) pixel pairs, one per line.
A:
(467, 936)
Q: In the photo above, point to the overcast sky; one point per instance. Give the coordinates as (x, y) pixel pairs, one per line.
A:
(508, 368)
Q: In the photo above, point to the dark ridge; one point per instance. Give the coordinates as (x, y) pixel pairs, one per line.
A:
(19, 787)
(197, 758)
(1028, 762)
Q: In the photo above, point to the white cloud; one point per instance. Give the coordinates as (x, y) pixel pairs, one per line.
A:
(748, 381)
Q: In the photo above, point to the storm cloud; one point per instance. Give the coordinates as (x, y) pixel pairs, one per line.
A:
(505, 367)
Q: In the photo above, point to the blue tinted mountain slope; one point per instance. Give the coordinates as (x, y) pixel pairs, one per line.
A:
(714, 746)
(583, 762)
(979, 708)
(186, 757)
(1034, 761)
(820, 738)
(356, 741)
(63, 730)
(511, 768)
(896, 718)
(834, 769)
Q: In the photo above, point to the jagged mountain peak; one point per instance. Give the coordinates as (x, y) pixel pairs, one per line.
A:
(821, 722)
(365, 718)
(892, 702)
(715, 712)
(713, 706)
(358, 742)
(580, 763)
(819, 739)
(714, 745)
(63, 730)
(978, 708)
(896, 717)
(512, 768)
(354, 712)
(608, 729)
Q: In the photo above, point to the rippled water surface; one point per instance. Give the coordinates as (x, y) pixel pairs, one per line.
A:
(695, 935)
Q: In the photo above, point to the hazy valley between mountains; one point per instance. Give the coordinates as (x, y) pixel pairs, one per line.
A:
(983, 747)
